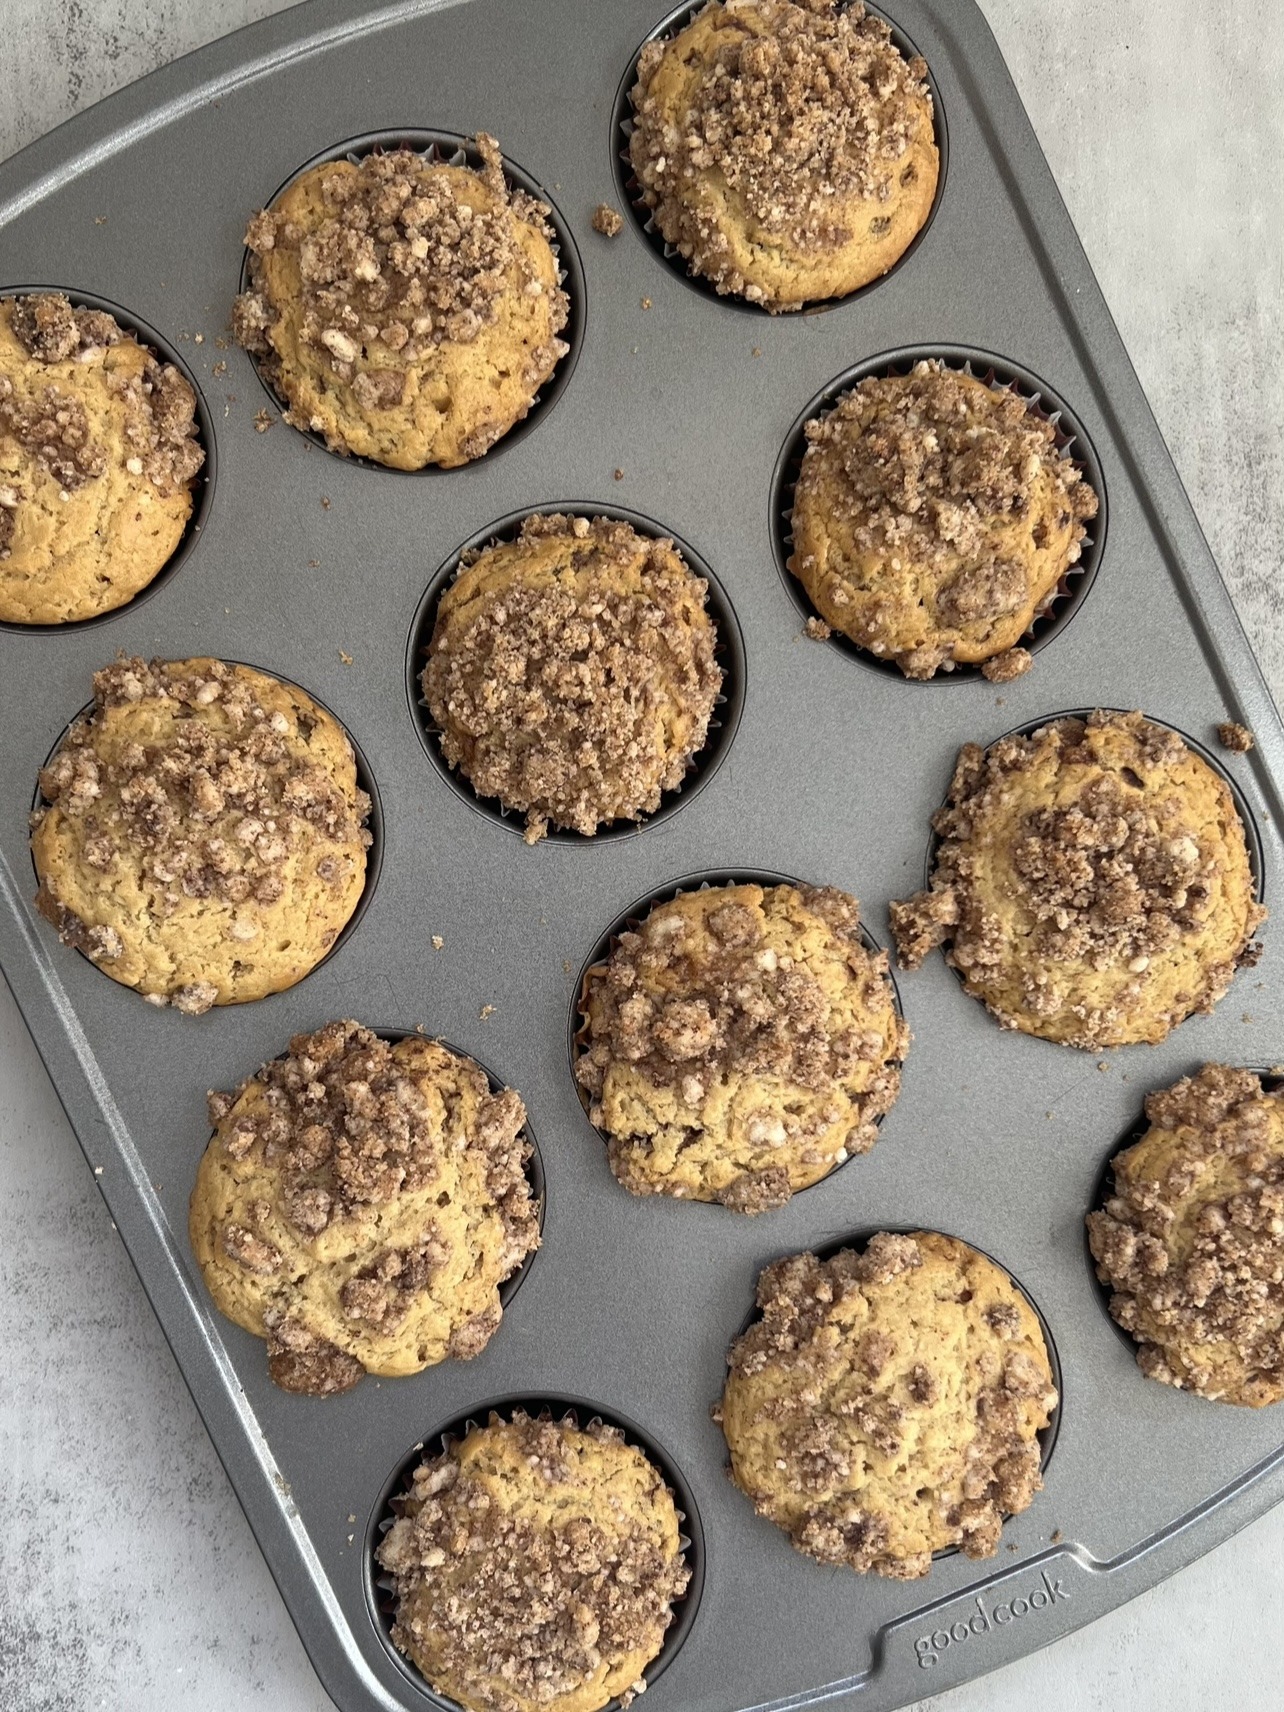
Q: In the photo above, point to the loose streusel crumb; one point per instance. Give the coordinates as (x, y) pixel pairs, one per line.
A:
(200, 815)
(786, 150)
(607, 220)
(1237, 738)
(817, 629)
(415, 1170)
(887, 1404)
(535, 1565)
(934, 520)
(1191, 1240)
(415, 314)
(740, 1044)
(572, 673)
(1093, 880)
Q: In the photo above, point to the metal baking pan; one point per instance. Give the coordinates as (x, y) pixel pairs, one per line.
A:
(832, 773)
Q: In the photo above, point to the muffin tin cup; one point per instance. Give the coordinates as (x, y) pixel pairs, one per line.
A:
(374, 825)
(630, 191)
(202, 487)
(451, 149)
(1000, 375)
(380, 1588)
(729, 653)
(632, 918)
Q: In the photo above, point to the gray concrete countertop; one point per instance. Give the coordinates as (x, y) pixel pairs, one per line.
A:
(128, 1576)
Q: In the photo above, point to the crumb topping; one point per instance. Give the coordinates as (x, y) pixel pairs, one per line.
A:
(830, 1368)
(54, 428)
(405, 259)
(216, 809)
(1191, 1241)
(520, 1575)
(1235, 737)
(807, 109)
(1004, 668)
(607, 220)
(51, 330)
(556, 693)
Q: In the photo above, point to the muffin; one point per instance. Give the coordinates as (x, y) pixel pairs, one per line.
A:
(1092, 879)
(98, 451)
(887, 1404)
(571, 672)
(359, 1205)
(407, 310)
(204, 839)
(786, 151)
(740, 1044)
(534, 1566)
(934, 520)
(1191, 1240)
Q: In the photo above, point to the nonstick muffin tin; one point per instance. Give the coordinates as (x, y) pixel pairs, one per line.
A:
(830, 772)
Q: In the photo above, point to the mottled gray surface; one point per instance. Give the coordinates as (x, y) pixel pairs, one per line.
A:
(128, 1577)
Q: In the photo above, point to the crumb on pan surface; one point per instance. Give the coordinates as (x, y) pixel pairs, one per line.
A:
(887, 1404)
(1191, 1240)
(786, 151)
(204, 839)
(607, 220)
(1235, 737)
(934, 520)
(408, 310)
(535, 1565)
(1092, 882)
(572, 672)
(739, 1044)
(359, 1204)
(99, 448)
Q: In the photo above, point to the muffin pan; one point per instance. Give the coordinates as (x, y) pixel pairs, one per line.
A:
(832, 773)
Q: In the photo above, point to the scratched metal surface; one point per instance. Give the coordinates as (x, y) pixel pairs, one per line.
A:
(833, 773)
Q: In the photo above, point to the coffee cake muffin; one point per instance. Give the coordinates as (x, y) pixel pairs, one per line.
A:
(740, 1044)
(204, 840)
(1092, 880)
(571, 672)
(887, 1404)
(359, 1205)
(407, 310)
(785, 150)
(535, 1565)
(1191, 1239)
(934, 520)
(98, 451)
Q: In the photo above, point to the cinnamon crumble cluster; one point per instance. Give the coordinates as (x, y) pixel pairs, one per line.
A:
(1093, 880)
(1191, 1239)
(739, 1044)
(535, 1564)
(886, 1404)
(419, 1171)
(572, 672)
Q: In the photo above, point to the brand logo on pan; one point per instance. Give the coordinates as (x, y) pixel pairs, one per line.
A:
(929, 1648)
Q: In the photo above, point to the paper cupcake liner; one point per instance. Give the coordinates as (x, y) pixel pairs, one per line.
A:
(450, 149)
(630, 191)
(729, 653)
(1271, 1078)
(858, 1239)
(594, 968)
(365, 782)
(202, 483)
(1071, 440)
(381, 1590)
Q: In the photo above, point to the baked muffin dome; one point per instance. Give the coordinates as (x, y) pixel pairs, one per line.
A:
(1092, 879)
(1191, 1241)
(205, 838)
(535, 1566)
(887, 1404)
(785, 150)
(934, 519)
(740, 1044)
(359, 1205)
(406, 309)
(98, 451)
(571, 672)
